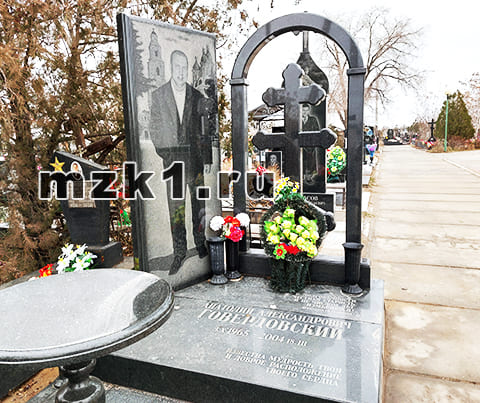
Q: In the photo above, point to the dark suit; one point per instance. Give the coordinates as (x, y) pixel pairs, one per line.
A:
(313, 160)
(181, 141)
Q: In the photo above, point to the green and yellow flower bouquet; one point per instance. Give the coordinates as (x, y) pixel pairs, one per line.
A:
(336, 163)
(292, 230)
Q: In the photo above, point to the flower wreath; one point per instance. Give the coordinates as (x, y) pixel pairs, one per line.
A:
(293, 228)
(336, 162)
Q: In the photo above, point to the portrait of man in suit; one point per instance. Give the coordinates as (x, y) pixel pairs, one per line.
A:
(273, 161)
(178, 132)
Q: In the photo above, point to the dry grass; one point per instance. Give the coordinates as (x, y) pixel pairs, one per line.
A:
(32, 386)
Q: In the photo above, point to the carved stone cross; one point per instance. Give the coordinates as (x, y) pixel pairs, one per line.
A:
(292, 96)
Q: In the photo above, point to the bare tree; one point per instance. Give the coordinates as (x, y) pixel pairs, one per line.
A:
(60, 89)
(387, 46)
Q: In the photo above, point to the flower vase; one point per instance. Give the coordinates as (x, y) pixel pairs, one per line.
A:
(243, 243)
(217, 263)
(289, 276)
(233, 260)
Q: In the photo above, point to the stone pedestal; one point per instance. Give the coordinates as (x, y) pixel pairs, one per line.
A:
(242, 342)
(107, 255)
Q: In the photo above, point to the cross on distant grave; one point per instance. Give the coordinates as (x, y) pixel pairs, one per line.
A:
(290, 142)
(432, 126)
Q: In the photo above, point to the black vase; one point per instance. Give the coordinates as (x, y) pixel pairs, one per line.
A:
(217, 264)
(233, 260)
(243, 243)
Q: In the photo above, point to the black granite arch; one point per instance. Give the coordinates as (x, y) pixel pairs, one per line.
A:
(356, 77)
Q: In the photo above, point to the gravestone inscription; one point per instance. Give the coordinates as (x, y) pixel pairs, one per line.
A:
(262, 348)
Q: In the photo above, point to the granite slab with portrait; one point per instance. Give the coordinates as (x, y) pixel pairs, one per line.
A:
(170, 101)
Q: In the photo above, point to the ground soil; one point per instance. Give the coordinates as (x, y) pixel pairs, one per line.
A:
(32, 386)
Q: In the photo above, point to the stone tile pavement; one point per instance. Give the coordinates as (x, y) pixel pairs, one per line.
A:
(423, 241)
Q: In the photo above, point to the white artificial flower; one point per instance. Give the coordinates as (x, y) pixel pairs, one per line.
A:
(216, 223)
(84, 262)
(243, 218)
(79, 265)
(80, 249)
(62, 264)
(90, 255)
(67, 250)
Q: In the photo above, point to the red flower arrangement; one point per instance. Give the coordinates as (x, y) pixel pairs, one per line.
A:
(230, 226)
(46, 270)
(282, 249)
(260, 170)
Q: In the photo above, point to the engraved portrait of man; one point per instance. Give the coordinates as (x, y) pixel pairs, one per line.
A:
(176, 132)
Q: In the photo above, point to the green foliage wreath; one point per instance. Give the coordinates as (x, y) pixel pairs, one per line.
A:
(303, 208)
(292, 230)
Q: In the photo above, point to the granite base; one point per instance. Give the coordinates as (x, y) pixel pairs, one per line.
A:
(242, 342)
(107, 255)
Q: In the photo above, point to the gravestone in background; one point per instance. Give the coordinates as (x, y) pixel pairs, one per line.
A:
(88, 220)
(170, 108)
(314, 117)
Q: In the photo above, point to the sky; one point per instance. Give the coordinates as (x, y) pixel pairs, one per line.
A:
(448, 51)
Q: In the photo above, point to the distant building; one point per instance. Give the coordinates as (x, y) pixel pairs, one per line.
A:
(197, 73)
(203, 71)
(156, 65)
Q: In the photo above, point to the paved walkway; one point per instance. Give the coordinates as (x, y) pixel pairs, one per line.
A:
(424, 241)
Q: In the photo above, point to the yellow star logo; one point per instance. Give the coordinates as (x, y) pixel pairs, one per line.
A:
(57, 165)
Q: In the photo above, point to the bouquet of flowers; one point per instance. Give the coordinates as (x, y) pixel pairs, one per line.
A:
(292, 230)
(290, 236)
(74, 258)
(336, 162)
(230, 226)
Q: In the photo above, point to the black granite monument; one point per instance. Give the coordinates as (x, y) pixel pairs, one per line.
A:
(354, 276)
(88, 219)
(170, 108)
(241, 341)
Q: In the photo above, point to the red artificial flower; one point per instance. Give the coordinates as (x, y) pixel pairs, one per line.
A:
(235, 222)
(235, 234)
(261, 170)
(228, 219)
(46, 270)
(292, 249)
